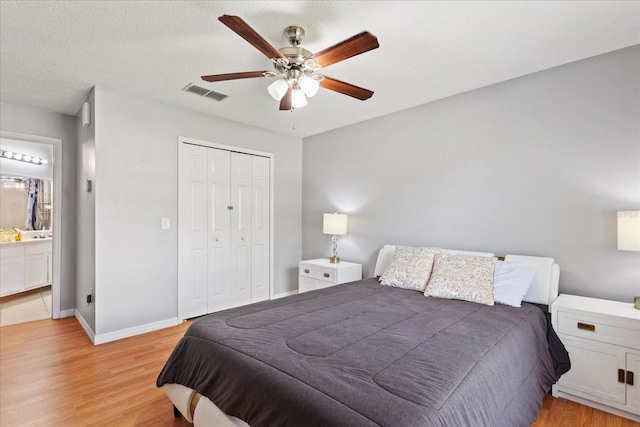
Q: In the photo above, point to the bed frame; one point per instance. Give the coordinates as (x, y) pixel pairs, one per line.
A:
(200, 411)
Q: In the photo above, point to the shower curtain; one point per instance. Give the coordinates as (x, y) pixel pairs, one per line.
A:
(34, 194)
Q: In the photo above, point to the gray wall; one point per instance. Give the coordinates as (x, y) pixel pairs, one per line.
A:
(537, 165)
(86, 215)
(136, 181)
(31, 121)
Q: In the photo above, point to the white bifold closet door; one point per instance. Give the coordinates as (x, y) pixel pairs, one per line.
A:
(223, 230)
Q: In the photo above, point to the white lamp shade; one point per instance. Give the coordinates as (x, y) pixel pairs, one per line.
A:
(278, 88)
(629, 231)
(335, 224)
(298, 100)
(308, 85)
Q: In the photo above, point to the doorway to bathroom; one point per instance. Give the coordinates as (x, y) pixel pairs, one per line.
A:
(30, 207)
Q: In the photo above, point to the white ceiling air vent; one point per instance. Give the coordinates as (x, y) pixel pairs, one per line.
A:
(204, 92)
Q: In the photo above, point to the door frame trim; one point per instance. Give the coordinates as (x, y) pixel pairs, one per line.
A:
(182, 140)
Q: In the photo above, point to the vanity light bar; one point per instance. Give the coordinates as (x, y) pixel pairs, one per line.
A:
(23, 157)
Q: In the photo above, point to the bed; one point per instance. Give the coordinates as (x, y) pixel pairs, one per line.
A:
(366, 354)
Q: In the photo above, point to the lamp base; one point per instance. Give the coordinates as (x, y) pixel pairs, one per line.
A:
(334, 260)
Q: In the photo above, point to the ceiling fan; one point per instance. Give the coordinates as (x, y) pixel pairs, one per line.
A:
(296, 67)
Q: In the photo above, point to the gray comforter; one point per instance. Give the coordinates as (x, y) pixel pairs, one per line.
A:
(363, 354)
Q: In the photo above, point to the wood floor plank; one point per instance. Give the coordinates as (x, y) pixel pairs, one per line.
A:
(52, 375)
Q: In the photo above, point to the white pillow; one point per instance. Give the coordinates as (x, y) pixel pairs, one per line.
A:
(410, 268)
(511, 281)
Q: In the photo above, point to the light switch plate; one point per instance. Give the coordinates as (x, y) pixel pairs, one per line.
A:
(166, 224)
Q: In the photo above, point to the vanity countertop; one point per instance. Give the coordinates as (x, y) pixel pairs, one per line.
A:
(30, 240)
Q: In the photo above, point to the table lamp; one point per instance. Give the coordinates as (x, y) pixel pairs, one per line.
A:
(629, 231)
(334, 224)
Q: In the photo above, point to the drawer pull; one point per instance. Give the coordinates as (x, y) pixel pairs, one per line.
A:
(326, 274)
(586, 327)
(629, 377)
(306, 271)
(621, 376)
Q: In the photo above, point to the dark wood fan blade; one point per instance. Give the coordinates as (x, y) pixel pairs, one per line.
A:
(233, 76)
(243, 29)
(286, 101)
(346, 88)
(360, 43)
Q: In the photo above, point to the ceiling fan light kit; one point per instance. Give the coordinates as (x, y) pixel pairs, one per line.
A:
(298, 99)
(308, 85)
(295, 66)
(278, 89)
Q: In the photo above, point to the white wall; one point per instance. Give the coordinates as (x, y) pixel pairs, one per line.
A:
(537, 165)
(32, 121)
(86, 215)
(136, 179)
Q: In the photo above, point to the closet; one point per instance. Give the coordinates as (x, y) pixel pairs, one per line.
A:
(223, 229)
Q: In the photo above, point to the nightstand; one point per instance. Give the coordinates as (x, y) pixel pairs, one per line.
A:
(320, 273)
(603, 341)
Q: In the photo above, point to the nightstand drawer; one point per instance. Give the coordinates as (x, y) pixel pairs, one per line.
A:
(597, 329)
(320, 273)
(317, 273)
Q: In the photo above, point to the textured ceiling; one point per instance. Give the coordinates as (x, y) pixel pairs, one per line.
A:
(53, 52)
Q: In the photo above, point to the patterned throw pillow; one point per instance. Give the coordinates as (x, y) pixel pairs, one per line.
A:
(410, 268)
(464, 277)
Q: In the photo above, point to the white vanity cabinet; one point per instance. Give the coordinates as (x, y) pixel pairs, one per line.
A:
(11, 269)
(24, 265)
(36, 264)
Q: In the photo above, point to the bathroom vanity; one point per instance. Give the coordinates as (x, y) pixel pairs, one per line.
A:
(25, 265)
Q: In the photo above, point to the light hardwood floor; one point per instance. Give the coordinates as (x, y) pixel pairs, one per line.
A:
(51, 375)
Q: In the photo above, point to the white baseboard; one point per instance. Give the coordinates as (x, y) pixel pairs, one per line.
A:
(67, 313)
(123, 333)
(85, 326)
(136, 330)
(285, 294)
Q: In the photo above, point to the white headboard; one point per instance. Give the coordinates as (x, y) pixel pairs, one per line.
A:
(385, 256)
(543, 289)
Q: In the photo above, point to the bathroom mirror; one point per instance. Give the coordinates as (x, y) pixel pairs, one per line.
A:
(25, 203)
